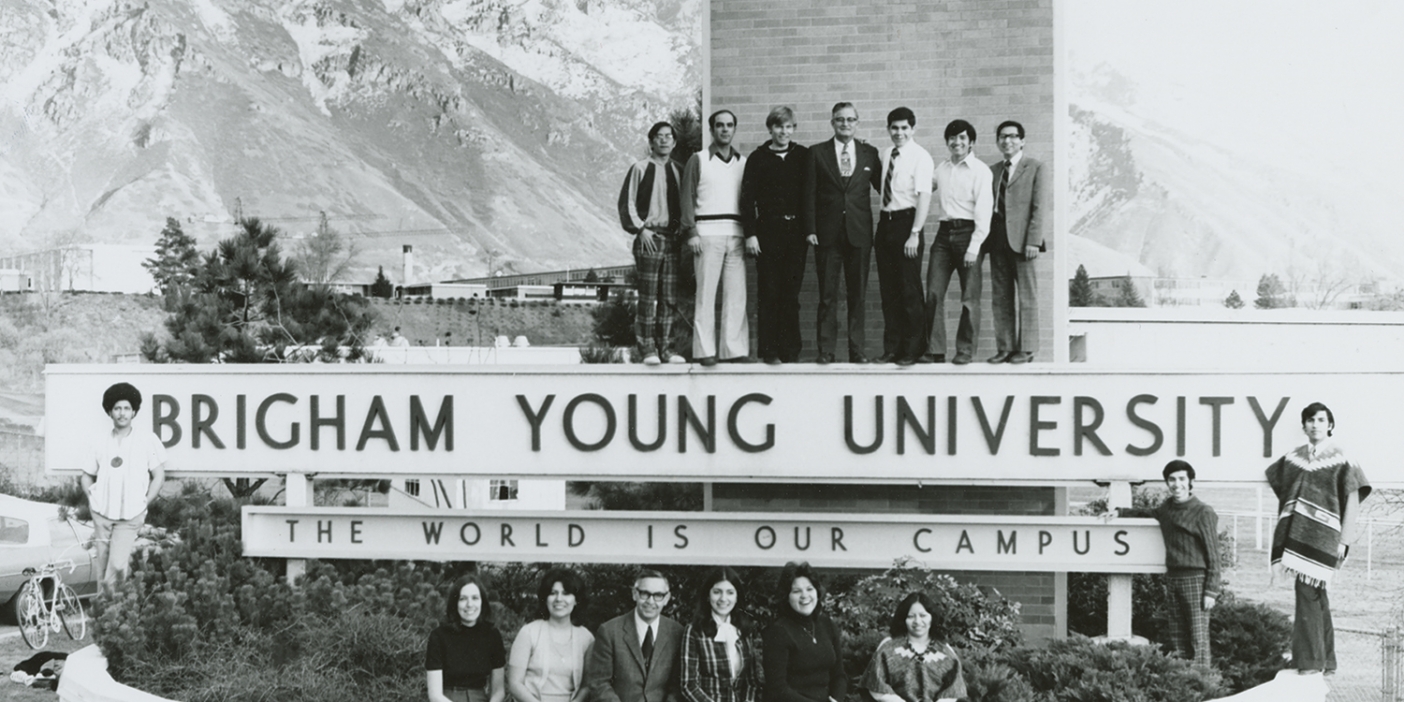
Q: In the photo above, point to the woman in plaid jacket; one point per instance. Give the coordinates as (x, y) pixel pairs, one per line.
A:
(720, 654)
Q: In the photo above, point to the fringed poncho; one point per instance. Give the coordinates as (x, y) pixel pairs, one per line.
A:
(1312, 489)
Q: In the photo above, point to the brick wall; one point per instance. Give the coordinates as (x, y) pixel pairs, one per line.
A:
(981, 60)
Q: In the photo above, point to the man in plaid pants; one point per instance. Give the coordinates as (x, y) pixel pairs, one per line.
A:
(649, 209)
(1191, 532)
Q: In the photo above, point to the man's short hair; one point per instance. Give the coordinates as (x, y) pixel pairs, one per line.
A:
(657, 127)
(841, 105)
(712, 120)
(778, 116)
(649, 573)
(900, 114)
(1008, 123)
(1177, 466)
(1312, 409)
(958, 126)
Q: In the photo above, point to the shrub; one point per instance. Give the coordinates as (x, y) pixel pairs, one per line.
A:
(1079, 669)
(1249, 642)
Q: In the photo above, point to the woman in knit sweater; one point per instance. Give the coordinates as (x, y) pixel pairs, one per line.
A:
(803, 649)
(548, 655)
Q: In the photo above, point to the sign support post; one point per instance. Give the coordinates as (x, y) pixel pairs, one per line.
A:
(297, 493)
(1118, 585)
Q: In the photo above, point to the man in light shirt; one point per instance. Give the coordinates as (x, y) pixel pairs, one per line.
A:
(963, 191)
(124, 475)
(906, 197)
(711, 221)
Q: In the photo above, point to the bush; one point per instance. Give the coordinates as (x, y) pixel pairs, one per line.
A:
(1079, 669)
(1249, 642)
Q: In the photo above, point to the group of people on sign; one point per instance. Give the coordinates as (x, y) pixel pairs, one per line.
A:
(784, 198)
(721, 655)
(1319, 491)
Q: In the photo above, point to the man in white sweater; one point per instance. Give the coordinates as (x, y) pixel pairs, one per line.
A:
(711, 221)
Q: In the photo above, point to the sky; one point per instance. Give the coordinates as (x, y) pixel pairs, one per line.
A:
(1298, 84)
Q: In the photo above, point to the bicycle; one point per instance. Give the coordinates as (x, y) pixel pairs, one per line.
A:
(60, 610)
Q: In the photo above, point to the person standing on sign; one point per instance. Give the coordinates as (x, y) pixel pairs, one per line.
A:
(650, 209)
(720, 656)
(125, 474)
(1191, 532)
(548, 656)
(803, 648)
(911, 666)
(635, 654)
(1319, 491)
(464, 659)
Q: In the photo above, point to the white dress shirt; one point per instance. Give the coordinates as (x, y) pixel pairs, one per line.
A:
(964, 191)
(912, 175)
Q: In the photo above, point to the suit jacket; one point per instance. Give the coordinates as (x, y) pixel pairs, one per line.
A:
(1025, 202)
(615, 670)
(837, 209)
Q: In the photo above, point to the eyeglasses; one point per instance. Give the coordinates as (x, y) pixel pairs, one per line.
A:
(659, 597)
(846, 120)
(1010, 136)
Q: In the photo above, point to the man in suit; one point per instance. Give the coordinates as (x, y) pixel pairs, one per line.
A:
(1016, 238)
(839, 219)
(634, 658)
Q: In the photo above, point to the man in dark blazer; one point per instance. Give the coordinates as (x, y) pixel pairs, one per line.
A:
(634, 658)
(1016, 239)
(839, 218)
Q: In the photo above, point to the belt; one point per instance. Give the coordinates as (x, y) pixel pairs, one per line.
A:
(894, 214)
(957, 221)
(778, 218)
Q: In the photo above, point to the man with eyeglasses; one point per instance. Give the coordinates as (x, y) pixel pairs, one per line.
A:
(635, 654)
(1016, 239)
(840, 216)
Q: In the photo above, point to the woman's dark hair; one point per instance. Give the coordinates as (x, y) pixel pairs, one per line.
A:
(702, 616)
(451, 602)
(1312, 409)
(119, 392)
(788, 574)
(898, 627)
(571, 582)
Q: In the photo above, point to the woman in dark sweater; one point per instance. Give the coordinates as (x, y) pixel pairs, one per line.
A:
(803, 649)
(464, 659)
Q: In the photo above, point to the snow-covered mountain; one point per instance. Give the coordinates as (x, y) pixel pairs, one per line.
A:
(1184, 207)
(478, 130)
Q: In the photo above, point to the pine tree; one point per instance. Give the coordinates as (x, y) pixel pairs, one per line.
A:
(382, 287)
(1233, 301)
(1080, 293)
(1272, 294)
(1127, 295)
(176, 262)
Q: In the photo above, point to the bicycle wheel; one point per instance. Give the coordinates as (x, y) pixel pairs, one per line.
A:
(70, 610)
(34, 621)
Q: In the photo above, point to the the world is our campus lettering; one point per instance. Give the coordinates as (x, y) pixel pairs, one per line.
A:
(589, 422)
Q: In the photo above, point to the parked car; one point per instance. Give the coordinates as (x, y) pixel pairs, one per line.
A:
(35, 533)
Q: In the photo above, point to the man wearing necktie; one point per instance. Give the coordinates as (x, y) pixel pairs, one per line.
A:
(635, 654)
(906, 196)
(839, 218)
(1016, 239)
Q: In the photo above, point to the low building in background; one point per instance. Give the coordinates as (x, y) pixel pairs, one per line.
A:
(109, 268)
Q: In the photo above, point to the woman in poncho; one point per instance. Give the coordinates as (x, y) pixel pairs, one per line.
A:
(1319, 492)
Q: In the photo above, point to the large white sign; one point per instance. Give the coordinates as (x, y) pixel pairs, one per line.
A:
(1080, 544)
(755, 423)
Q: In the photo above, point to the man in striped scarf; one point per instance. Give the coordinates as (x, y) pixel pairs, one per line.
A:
(1319, 492)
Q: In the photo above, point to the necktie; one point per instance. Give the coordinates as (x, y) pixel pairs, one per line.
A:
(846, 163)
(1003, 185)
(648, 647)
(887, 182)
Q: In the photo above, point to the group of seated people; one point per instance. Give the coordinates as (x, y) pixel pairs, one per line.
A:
(722, 655)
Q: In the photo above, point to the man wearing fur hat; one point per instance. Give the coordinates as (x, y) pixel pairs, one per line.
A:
(123, 477)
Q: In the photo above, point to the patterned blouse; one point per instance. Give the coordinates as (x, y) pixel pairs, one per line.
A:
(915, 676)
